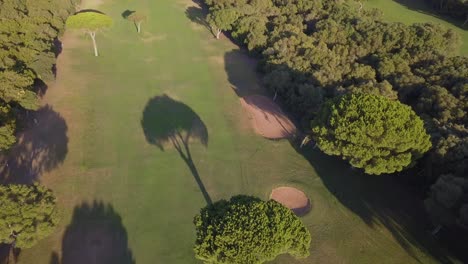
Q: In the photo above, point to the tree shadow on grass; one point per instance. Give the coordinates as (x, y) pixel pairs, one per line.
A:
(125, 14)
(425, 8)
(378, 200)
(96, 235)
(40, 148)
(198, 15)
(8, 254)
(166, 120)
(242, 73)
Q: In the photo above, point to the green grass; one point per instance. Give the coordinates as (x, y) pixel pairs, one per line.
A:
(355, 218)
(416, 11)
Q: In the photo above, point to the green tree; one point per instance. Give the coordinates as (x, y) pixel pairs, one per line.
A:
(16, 87)
(137, 18)
(371, 132)
(91, 23)
(7, 128)
(247, 230)
(27, 214)
(223, 19)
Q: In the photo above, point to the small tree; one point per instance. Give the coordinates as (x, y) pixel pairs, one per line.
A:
(27, 214)
(90, 22)
(137, 18)
(248, 230)
(371, 132)
(223, 19)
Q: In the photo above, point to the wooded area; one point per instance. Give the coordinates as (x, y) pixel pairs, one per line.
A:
(29, 45)
(312, 51)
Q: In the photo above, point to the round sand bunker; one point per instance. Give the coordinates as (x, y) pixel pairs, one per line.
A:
(292, 198)
(267, 118)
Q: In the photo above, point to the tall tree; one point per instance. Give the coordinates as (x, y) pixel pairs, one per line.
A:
(371, 132)
(223, 19)
(91, 23)
(27, 214)
(248, 230)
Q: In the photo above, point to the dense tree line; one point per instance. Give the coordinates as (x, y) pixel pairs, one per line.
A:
(314, 50)
(457, 9)
(28, 35)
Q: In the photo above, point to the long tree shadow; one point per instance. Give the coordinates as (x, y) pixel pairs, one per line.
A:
(198, 15)
(40, 148)
(166, 120)
(423, 7)
(8, 254)
(96, 235)
(242, 73)
(378, 200)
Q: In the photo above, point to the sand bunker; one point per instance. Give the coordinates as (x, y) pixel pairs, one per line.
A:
(292, 198)
(267, 118)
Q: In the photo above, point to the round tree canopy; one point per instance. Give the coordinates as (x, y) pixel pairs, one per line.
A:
(371, 132)
(248, 230)
(89, 20)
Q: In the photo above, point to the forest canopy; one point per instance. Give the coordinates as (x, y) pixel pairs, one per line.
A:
(29, 33)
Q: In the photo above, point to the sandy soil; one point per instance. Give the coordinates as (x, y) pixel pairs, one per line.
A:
(292, 198)
(267, 118)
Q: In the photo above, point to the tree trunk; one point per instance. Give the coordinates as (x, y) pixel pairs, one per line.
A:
(360, 7)
(139, 27)
(466, 21)
(93, 37)
(11, 255)
(218, 33)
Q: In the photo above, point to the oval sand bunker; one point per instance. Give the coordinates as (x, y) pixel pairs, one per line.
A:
(267, 118)
(292, 198)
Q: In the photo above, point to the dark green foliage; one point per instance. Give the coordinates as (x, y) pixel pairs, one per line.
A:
(446, 202)
(371, 132)
(28, 35)
(27, 214)
(247, 230)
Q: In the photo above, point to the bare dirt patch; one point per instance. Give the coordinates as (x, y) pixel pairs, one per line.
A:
(150, 38)
(292, 198)
(267, 118)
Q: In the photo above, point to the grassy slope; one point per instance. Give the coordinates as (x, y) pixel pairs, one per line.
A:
(354, 219)
(416, 11)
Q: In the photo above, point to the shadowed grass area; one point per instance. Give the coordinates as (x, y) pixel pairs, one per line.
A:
(168, 121)
(95, 235)
(143, 90)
